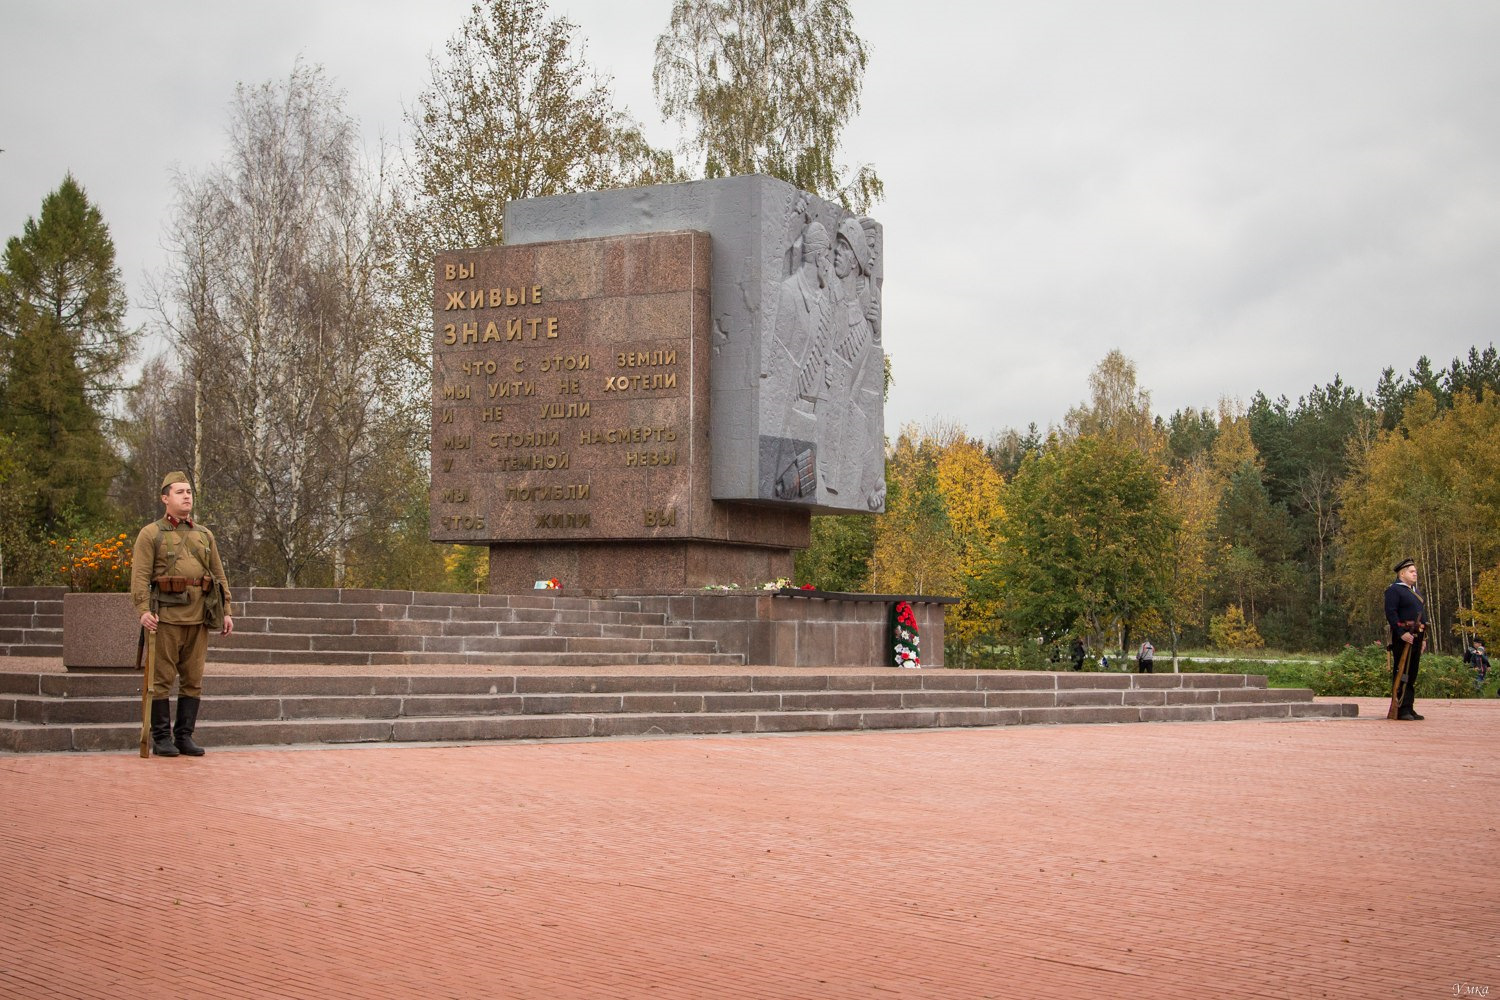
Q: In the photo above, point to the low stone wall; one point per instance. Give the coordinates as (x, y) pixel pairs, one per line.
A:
(785, 628)
(801, 628)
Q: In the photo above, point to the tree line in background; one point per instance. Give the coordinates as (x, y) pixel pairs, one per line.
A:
(1276, 523)
(294, 390)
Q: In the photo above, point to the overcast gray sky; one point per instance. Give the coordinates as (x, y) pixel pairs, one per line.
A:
(1239, 195)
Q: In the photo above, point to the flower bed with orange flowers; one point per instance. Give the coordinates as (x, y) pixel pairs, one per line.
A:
(88, 566)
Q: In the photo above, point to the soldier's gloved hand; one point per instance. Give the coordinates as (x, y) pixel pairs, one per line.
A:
(148, 621)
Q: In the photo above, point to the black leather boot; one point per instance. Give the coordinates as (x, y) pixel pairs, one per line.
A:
(161, 728)
(187, 721)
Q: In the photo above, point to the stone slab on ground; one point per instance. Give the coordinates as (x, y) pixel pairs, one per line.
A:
(1274, 859)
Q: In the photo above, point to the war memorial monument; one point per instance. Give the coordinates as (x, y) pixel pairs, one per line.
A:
(652, 389)
(645, 394)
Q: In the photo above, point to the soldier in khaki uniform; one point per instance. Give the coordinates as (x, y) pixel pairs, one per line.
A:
(174, 563)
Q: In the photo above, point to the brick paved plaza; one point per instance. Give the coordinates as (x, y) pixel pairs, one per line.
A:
(1350, 858)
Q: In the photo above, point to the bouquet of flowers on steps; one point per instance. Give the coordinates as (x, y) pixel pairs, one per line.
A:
(905, 636)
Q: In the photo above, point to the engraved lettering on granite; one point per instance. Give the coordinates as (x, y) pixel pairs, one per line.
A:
(596, 436)
(659, 518)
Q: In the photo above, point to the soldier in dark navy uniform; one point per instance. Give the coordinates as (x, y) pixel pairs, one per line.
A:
(1407, 615)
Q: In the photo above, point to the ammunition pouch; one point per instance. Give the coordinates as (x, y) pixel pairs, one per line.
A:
(174, 589)
(213, 604)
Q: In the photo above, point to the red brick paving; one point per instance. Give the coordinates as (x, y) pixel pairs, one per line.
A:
(1352, 858)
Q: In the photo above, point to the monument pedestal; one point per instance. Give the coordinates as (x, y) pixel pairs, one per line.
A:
(604, 568)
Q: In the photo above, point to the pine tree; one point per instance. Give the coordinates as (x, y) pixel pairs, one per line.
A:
(64, 346)
(62, 266)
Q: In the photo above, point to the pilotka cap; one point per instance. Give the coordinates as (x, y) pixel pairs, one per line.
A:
(173, 477)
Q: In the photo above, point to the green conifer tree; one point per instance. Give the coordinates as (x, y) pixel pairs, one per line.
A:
(64, 347)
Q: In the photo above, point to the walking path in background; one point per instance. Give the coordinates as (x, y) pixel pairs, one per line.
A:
(1350, 858)
(1247, 659)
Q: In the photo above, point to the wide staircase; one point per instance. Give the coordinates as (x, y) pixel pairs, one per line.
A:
(101, 711)
(391, 627)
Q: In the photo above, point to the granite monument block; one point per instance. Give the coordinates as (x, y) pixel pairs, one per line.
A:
(569, 424)
(796, 366)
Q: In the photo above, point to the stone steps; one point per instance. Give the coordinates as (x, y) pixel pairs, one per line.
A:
(50, 712)
(31, 621)
(512, 659)
(75, 711)
(380, 628)
(317, 645)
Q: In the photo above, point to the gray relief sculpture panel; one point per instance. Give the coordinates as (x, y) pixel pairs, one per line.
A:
(823, 366)
(797, 374)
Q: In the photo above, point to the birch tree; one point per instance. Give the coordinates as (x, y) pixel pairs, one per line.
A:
(1428, 490)
(971, 489)
(914, 547)
(512, 110)
(279, 297)
(767, 86)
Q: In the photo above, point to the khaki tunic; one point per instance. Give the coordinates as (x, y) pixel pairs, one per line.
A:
(162, 550)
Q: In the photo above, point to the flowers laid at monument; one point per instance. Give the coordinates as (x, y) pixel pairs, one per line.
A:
(552, 584)
(906, 638)
(780, 583)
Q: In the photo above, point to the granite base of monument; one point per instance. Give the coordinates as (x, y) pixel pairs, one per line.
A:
(601, 569)
(801, 628)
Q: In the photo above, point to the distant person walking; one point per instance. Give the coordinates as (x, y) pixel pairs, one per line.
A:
(1078, 653)
(1477, 658)
(180, 591)
(1145, 660)
(1406, 613)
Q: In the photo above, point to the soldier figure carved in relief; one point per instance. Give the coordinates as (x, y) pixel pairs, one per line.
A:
(856, 369)
(803, 315)
(824, 380)
(178, 585)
